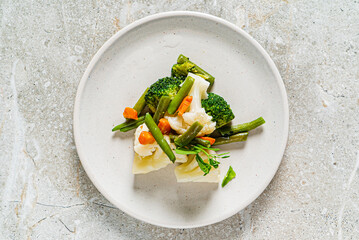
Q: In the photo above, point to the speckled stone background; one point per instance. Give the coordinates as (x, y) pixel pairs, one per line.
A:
(45, 47)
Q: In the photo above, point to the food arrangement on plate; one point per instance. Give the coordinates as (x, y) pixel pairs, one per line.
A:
(179, 120)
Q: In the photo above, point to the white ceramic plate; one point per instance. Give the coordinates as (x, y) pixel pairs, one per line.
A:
(132, 60)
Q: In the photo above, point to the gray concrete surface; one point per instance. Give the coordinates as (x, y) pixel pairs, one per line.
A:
(45, 48)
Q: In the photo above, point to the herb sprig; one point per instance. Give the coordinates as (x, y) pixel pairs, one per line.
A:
(212, 158)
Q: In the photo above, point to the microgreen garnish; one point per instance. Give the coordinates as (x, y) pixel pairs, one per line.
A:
(205, 167)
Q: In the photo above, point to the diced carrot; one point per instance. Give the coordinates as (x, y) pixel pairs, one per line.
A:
(130, 113)
(211, 140)
(164, 126)
(184, 105)
(146, 138)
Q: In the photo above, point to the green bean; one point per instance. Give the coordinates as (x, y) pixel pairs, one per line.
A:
(156, 133)
(239, 137)
(128, 123)
(202, 142)
(161, 108)
(133, 126)
(182, 93)
(189, 135)
(244, 127)
(140, 104)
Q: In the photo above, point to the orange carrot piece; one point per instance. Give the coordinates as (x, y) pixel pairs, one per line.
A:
(130, 113)
(211, 140)
(146, 138)
(184, 105)
(164, 126)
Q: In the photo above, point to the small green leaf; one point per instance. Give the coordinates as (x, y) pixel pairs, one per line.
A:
(205, 167)
(229, 176)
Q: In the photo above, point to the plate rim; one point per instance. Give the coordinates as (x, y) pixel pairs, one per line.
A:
(122, 32)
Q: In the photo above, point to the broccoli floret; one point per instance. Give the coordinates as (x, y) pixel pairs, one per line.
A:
(218, 108)
(167, 86)
(184, 66)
